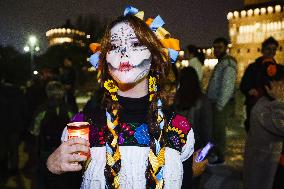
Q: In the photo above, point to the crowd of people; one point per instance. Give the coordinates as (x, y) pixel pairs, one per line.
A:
(36, 114)
(150, 124)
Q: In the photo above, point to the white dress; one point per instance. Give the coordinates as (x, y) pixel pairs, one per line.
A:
(134, 161)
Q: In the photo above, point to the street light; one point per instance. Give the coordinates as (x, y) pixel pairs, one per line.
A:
(32, 47)
(26, 48)
(32, 40)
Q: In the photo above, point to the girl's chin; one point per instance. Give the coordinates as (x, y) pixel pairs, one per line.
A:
(124, 81)
(127, 78)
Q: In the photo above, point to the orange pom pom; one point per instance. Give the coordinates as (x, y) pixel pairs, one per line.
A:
(171, 43)
(271, 70)
(95, 47)
(149, 21)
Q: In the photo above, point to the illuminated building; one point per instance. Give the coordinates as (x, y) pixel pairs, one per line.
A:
(66, 34)
(249, 27)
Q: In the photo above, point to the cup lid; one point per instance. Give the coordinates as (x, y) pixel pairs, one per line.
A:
(78, 124)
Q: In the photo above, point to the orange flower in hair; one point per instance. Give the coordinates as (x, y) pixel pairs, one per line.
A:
(271, 70)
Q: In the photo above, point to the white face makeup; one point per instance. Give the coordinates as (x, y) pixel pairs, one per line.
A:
(128, 60)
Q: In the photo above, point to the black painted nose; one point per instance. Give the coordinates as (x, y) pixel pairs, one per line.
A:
(123, 52)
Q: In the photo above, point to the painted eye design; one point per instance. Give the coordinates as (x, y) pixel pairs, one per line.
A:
(136, 44)
(113, 47)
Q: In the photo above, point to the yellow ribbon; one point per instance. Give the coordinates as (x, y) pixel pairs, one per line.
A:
(162, 33)
(157, 161)
(140, 15)
(116, 182)
(160, 185)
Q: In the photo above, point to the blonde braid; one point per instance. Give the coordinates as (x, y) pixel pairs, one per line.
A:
(113, 160)
(156, 155)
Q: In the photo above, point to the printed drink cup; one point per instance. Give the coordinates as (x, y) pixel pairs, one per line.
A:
(79, 129)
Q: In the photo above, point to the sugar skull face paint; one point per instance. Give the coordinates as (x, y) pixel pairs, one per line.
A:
(128, 60)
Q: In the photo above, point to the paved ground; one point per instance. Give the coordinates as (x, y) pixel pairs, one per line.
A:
(229, 175)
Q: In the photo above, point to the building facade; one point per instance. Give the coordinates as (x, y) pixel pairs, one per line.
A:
(66, 34)
(249, 27)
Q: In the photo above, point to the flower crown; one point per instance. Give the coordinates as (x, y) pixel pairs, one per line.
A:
(171, 45)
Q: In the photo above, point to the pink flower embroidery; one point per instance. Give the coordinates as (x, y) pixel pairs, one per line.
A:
(181, 123)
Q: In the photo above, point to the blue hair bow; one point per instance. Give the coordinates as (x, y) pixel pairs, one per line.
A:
(173, 55)
(157, 22)
(94, 59)
(129, 10)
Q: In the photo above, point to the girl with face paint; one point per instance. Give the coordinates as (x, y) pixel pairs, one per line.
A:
(137, 144)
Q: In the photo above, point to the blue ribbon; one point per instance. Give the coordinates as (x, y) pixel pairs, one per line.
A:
(130, 10)
(159, 103)
(108, 149)
(94, 59)
(158, 147)
(160, 175)
(157, 22)
(173, 55)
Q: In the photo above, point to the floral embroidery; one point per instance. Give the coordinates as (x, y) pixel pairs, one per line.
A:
(175, 140)
(114, 98)
(96, 136)
(101, 138)
(142, 134)
(137, 134)
(181, 123)
(152, 84)
(152, 87)
(125, 134)
(177, 132)
(110, 86)
(120, 138)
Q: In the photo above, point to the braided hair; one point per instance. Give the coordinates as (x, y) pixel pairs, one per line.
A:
(159, 69)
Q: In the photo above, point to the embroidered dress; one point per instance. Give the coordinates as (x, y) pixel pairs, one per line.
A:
(134, 147)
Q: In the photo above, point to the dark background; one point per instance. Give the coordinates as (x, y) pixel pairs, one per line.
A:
(192, 21)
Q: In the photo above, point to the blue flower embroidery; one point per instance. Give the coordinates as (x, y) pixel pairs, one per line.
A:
(120, 138)
(142, 134)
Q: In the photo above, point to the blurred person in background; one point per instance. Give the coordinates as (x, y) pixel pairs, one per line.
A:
(250, 85)
(13, 120)
(195, 106)
(48, 124)
(220, 92)
(264, 140)
(68, 79)
(170, 87)
(196, 60)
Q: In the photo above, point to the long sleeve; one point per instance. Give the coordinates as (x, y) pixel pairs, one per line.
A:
(188, 148)
(271, 117)
(228, 85)
(251, 78)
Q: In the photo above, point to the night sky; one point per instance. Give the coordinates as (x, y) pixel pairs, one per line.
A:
(192, 21)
